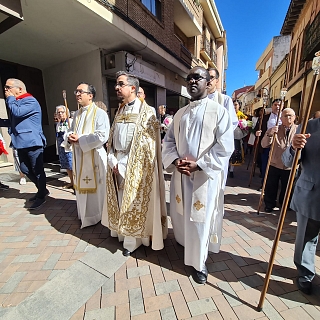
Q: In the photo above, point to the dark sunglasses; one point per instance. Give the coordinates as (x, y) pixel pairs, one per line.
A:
(195, 77)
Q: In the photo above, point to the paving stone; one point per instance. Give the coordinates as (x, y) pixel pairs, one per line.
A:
(136, 302)
(61, 297)
(7, 224)
(108, 287)
(26, 258)
(168, 314)
(40, 228)
(4, 253)
(227, 240)
(58, 243)
(12, 282)
(14, 239)
(35, 242)
(229, 294)
(243, 235)
(52, 261)
(217, 266)
(294, 299)
(202, 306)
(24, 226)
(105, 261)
(138, 271)
(54, 273)
(254, 250)
(166, 287)
(100, 314)
(251, 281)
(270, 311)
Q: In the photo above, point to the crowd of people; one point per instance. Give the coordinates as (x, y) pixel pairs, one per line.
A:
(117, 172)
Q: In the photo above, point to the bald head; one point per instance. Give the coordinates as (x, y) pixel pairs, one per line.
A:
(316, 115)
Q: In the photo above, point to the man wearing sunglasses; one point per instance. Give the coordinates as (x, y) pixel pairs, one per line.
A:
(88, 134)
(25, 129)
(196, 148)
(135, 209)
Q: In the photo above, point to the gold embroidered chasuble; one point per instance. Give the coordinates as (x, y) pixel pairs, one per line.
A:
(142, 212)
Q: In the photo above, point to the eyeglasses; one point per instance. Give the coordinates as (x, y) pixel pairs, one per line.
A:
(80, 91)
(195, 77)
(121, 84)
(61, 112)
(212, 78)
(10, 87)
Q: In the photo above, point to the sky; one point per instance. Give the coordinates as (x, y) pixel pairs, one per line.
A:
(250, 26)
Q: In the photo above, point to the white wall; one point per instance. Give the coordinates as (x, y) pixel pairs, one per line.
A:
(67, 76)
(281, 46)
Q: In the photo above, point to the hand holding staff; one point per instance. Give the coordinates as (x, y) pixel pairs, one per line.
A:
(64, 95)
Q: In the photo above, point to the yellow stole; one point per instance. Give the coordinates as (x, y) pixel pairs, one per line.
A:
(85, 179)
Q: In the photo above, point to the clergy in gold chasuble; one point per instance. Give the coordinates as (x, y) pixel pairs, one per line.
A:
(135, 201)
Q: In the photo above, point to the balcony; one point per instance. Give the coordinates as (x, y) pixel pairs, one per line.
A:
(311, 42)
(10, 14)
(185, 55)
(205, 48)
(262, 79)
(187, 16)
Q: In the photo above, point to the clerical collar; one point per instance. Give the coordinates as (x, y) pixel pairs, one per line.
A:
(131, 103)
(197, 102)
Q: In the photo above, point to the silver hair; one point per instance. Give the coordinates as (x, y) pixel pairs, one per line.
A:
(18, 83)
(288, 109)
(61, 106)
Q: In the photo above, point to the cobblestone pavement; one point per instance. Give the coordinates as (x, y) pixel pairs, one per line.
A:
(52, 269)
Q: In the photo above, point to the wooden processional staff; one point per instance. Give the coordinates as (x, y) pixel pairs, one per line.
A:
(64, 95)
(316, 68)
(256, 140)
(283, 94)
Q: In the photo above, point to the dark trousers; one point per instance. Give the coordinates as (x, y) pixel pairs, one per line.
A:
(31, 164)
(264, 162)
(306, 246)
(275, 176)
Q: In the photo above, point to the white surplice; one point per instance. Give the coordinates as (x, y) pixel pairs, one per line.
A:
(226, 102)
(199, 237)
(90, 205)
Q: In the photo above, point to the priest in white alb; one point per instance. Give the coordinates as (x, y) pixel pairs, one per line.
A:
(135, 209)
(196, 149)
(88, 134)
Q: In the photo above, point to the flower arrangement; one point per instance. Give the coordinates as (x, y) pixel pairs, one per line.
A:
(166, 123)
(245, 124)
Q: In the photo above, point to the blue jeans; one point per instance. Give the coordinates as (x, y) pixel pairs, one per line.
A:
(31, 164)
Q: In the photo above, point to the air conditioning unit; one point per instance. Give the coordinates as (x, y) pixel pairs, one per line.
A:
(114, 62)
(125, 61)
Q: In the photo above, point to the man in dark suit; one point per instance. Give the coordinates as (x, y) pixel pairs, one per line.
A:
(25, 129)
(305, 201)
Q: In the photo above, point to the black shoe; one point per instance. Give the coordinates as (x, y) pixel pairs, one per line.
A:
(200, 276)
(268, 209)
(36, 196)
(126, 253)
(3, 186)
(37, 204)
(304, 286)
(231, 175)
